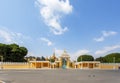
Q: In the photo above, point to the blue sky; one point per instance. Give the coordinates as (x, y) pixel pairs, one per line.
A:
(78, 26)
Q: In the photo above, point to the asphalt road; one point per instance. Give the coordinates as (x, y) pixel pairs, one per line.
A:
(60, 76)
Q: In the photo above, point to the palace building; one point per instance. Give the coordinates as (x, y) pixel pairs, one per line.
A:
(62, 62)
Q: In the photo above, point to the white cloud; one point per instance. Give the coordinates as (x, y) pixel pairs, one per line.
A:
(52, 11)
(100, 39)
(7, 36)
(108, 33)
(49, 43)
(105, 34)
(107, 49)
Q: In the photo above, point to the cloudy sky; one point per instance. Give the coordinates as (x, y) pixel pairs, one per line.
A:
(78, 26)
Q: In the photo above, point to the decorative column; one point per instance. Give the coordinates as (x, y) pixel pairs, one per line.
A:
(75, 66)
(60, 62)
(78, 65)
(35, 64)
(93, 65)
(48, 65)
(88, 65)
(41, 64)
(53, 65)
(99, 65)
(81, 65)
(68, 63)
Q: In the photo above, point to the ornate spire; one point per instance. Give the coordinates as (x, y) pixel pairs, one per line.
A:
(65, 51)
(65, 54)
(53, 56)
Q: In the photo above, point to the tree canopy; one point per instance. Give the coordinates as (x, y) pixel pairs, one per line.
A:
(113, 57)
(13, 52)
(85, 58)
(101, 59)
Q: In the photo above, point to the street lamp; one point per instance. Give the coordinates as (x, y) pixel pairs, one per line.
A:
(81, 63)
(76, 58)
(81, 58)
(1, 62)
(114, 61)
(50, 63)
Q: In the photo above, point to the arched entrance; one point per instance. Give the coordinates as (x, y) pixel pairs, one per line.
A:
(65, 60)
(64, 63)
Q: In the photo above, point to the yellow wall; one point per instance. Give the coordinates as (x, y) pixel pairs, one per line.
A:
(15, 66)
(87, 65)
(109, 66)
(57, 65)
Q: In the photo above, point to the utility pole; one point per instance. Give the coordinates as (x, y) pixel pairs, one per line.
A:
(114, 62)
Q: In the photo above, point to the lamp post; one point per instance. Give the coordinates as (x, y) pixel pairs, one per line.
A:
(50, 62)
(76, 62)
(81, 63)
(81, 58)
(1, 62)
(28, 62)
(76, 59)
(114, 61)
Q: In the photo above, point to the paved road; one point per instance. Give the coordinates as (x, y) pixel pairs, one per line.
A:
(60, 76)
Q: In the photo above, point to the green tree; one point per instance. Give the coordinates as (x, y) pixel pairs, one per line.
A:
(101, 59)
(85, 58)
(38, 58)
(29, 58)
(113, 57)
(4, 51)
(52, 60)
(42, 58)
(13, 52)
